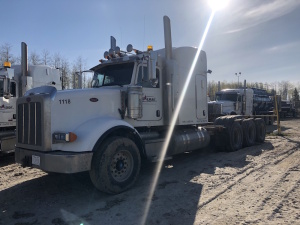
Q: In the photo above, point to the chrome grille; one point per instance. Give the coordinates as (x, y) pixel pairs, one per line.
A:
(30, 123)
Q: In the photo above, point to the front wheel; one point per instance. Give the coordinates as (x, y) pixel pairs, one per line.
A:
(115, 165)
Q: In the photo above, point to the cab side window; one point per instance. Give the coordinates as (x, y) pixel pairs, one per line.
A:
(13, 89)
(143, 78)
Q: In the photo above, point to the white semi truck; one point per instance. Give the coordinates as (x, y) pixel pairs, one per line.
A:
(14, 82)
(243, 101)
(114, 127)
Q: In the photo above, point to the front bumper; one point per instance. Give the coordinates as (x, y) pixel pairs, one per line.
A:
(57, 161)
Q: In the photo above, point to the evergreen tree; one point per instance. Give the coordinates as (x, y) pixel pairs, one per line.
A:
(295, 95)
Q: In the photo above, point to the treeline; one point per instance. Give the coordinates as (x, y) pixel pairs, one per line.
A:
(69, 71)
(287, 90)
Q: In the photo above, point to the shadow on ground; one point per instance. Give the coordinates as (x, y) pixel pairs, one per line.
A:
(71, 199)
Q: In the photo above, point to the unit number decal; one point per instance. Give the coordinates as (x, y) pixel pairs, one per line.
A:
(64, 101)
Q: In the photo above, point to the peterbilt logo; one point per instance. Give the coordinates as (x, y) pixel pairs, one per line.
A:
(149, 98)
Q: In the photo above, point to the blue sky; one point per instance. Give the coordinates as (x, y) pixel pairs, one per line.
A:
(259, 38)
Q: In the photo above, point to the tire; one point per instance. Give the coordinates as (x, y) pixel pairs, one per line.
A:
(115, 165)
(249, 132)
(260, 130)
(235, 137)
(271, 120)
(266, 119)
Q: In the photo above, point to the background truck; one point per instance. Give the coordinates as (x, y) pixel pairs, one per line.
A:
(242, 101)
(111, 129)
(14, 82)
(287, 109)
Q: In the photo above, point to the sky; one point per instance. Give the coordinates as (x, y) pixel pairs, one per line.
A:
(259, 38)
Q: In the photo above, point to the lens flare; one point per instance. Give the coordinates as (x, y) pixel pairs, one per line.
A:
(173, 121)
(217, 4)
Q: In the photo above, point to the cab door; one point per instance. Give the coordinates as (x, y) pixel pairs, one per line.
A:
(201, 97)
(152, 95)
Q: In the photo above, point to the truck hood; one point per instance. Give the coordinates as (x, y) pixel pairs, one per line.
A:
(227, 106)
(84, 104)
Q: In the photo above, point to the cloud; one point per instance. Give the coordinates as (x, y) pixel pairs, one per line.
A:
(253, 13)
(283, 47)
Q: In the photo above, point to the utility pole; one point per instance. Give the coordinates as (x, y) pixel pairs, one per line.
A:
(238, 76)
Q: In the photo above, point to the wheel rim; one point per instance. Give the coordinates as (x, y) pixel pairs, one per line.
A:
(121, 165)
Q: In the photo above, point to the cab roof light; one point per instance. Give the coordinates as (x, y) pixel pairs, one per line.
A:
(7, 64)
(150, 48)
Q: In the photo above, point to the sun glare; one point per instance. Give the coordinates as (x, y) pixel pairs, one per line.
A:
(173, 121)
(218, 4)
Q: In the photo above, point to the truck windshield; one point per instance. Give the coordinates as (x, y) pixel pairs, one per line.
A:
(226, 97)
(118, 74)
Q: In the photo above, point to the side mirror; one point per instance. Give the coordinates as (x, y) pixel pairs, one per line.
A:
(154, 82)
(151, 64)
(6, 88)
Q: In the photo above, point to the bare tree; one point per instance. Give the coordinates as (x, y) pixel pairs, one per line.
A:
(65, 74)
(17, 60)
(5, 53)
(46, 58)
(34, 58)
(57, 60)
(78, 67)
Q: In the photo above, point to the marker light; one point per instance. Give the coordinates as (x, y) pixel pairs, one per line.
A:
(64, 137)
(150, 48)
(7, 64)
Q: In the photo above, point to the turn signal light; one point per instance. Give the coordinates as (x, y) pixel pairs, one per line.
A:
(64, 137)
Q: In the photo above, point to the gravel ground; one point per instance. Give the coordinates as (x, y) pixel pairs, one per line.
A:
(255, 185)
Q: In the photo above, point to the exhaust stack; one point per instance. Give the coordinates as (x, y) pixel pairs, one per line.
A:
(168, 37)
(24, 58)
(168, 97)
(25, 79)
(113, 43)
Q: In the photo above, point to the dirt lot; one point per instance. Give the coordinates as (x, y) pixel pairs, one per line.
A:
(257, 185)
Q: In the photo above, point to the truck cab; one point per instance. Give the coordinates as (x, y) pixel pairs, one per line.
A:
(15, 80)
(124, 119)
(7, 97)
(232, 102)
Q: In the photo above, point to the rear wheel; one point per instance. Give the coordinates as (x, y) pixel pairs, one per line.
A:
(249, 132)
(235, 137)
(115, 165)
(260, 130)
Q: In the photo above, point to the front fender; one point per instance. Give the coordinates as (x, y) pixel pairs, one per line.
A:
(88, 134)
